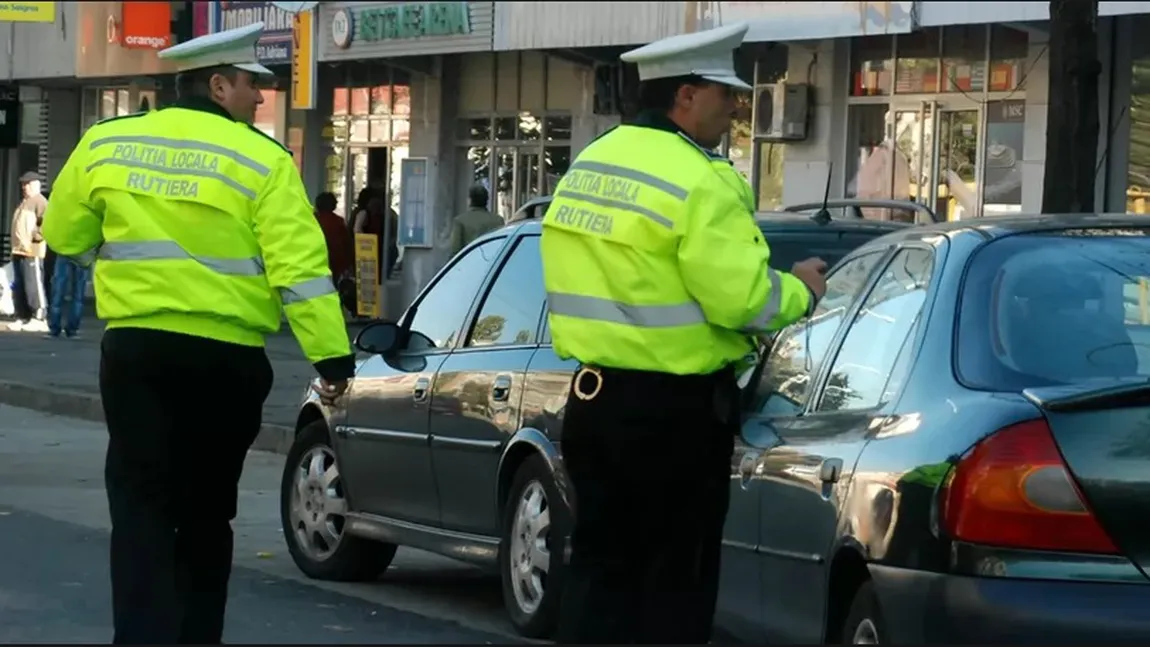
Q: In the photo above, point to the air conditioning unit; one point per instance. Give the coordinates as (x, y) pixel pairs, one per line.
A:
(781, 111)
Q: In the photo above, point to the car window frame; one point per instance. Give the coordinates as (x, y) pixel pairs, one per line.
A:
(488, 284)
(884, 253)
(938, 259)
(469, 313)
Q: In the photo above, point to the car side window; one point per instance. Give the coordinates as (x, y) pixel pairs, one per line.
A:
(874, 356)
(510, 311)
(799, 349)
(440, 312)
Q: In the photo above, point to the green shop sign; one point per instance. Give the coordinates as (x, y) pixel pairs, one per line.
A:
(400, 21)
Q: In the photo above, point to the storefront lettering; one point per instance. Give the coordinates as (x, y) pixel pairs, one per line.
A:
(273, 19)
(413, 20)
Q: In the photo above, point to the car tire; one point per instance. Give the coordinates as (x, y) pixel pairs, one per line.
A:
(531, 595)
(311, 501)
(864, 624)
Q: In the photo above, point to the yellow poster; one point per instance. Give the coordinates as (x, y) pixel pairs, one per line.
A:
(303, 61)
(27, 12)
(367, 298)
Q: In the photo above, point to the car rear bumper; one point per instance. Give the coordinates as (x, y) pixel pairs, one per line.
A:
(931, 608)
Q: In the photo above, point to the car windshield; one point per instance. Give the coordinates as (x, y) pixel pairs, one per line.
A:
(790, 248)
(1055, 308)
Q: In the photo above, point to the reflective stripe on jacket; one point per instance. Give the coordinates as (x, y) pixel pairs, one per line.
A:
(653, 261)
(198, 224)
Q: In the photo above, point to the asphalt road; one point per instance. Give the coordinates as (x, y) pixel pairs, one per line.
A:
(54, 543)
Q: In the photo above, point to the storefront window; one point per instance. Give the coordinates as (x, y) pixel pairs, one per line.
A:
(916, 67)
(1002, 184)
(871, 66)
(964, 58)
(370, 133)
(1009, 50)
(266, 114)
(953, 140)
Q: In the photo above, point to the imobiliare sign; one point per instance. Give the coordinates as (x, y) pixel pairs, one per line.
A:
(275, 47)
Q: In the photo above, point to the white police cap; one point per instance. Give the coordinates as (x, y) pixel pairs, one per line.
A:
(234, 47)
(709, 54)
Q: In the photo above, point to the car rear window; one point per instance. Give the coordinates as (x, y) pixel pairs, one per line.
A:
(1052, 308)
(788, 248)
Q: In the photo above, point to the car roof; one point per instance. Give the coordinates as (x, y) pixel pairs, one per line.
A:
(991, 227)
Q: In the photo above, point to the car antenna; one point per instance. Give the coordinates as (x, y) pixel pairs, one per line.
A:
(823, 215)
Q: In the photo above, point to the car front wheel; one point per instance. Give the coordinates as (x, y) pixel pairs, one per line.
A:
(313, 509)
(864, 623)
(536, 523)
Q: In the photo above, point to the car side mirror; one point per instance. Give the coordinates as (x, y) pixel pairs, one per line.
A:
(378, 338)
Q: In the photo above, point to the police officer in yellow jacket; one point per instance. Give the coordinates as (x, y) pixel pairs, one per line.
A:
(204, 237)
(657, 282)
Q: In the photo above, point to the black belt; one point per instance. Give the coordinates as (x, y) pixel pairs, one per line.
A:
(649, 388)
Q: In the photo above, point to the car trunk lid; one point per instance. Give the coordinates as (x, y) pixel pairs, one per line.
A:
(1102, 429)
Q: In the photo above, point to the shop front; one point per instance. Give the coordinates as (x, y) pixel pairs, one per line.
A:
(380, 60)
(938, 116)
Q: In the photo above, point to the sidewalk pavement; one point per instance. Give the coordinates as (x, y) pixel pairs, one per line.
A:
(60, 376)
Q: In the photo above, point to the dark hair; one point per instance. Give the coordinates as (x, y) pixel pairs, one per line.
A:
(658, 95)
(478, 196)
(326, 201)
(197, 83)
(361, 200)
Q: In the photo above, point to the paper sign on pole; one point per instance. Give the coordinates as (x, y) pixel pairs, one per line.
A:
(367, 297)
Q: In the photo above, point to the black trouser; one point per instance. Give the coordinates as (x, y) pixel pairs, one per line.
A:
(182, 412)
(649, 460)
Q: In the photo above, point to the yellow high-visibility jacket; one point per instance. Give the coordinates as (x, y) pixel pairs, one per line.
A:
(652, 259)
(198, 224)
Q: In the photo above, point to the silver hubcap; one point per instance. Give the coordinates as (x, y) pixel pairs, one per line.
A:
(317, 504)
(530, 554)
(866, 633)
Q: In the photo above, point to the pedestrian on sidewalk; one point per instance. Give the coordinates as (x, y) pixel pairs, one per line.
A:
(658, 296)
(474, 222)
(204, 237)
(69, 285)
(28, 252)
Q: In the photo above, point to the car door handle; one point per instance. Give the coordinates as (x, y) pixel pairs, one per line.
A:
(419, 391)
(830, 470)
(501, 390)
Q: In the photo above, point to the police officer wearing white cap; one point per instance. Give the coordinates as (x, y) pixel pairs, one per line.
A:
(657, 283)
(203, 239)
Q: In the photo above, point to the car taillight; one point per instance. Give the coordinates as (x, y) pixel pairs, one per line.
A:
(1014, 490)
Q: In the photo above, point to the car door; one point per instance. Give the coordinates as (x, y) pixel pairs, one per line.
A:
(384, 447)
(807, 476)
(475, 406)
(782, 391)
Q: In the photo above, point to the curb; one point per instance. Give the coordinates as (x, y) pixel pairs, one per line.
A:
(87, 406)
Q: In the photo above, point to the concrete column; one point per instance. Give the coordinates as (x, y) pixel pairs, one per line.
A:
(434, 109)
(822, 65)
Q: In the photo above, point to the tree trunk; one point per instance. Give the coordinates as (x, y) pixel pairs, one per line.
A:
(1072, 119)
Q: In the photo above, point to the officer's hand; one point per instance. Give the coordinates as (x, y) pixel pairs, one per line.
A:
(810, 271)
(329, 391)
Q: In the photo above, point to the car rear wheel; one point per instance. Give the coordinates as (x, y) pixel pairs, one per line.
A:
(864, 624)
(536, 523)
(313, 508)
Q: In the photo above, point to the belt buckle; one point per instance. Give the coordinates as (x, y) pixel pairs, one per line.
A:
(577, 387)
